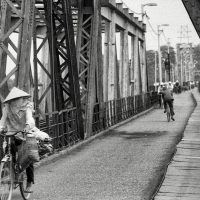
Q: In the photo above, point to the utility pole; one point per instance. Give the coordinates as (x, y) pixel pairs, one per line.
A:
(168, 57)
(159, 53)
(155, 82)
(159, 57)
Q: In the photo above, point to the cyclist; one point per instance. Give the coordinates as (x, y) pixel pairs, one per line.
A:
(17, 116)
(168, 98)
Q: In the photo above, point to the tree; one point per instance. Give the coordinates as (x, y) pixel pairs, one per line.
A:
(168, 60)
(196, 56)
(150, 59)
(164, 53)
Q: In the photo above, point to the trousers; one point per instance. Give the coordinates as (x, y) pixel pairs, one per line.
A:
(170, 103)
(30, 168)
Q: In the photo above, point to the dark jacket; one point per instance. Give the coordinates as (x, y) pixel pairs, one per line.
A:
(167, 94)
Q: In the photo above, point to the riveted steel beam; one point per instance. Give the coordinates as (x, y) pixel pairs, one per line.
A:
(63, 57)
(18, 53)
(88, 55)
(193, 9)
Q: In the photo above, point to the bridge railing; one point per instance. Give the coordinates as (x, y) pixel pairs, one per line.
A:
(62, 126)
(118, 110)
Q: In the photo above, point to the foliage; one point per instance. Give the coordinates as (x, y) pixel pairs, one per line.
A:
(150, 54)
(196, 56)
(164, 53)
(150, 58)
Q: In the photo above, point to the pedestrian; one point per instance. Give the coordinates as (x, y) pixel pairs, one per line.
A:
(170, 86)
(177, 87)
(160, 88)
(17, 116)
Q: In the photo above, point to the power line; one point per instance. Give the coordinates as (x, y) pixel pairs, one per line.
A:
(184, 33)
(151, 27)
(164, 36)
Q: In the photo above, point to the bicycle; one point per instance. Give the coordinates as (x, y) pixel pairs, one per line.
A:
(11, 175)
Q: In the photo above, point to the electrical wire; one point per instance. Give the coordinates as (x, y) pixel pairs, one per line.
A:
(150, 25)
(162, 32)
(165, 36)
(152, 31)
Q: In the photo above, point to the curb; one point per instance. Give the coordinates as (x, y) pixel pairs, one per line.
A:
(62, 153)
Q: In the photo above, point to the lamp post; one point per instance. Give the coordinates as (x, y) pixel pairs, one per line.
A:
(155, 82)
(159, 54)
(168, 57)
(142, 8)
(145, 68)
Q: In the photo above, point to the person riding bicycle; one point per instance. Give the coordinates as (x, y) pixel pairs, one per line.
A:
(17, 116)
(168, 98)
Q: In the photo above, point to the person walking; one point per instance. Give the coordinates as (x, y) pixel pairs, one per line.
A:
(160, 88)
(170, 86)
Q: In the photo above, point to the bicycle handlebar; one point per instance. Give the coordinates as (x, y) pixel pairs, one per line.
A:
(14, 133)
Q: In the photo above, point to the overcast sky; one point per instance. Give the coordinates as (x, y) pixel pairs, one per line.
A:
(170, 12)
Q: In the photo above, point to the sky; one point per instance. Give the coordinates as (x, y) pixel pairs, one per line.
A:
(170, 12)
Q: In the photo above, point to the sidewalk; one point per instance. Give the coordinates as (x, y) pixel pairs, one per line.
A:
(182, 180)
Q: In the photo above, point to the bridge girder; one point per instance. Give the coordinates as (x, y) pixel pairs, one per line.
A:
(193, 9)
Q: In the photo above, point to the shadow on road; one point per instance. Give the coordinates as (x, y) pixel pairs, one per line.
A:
(135, 135)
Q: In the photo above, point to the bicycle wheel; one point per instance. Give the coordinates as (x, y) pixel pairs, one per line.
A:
(6, 180)
(22, 185)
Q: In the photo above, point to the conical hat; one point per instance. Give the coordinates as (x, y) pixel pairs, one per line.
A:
(16, 93)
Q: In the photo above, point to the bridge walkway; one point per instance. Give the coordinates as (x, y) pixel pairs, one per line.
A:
(125, 163)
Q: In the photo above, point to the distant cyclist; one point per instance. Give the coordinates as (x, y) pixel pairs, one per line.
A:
(168, 98)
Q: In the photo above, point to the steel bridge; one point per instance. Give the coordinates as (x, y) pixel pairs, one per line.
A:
(65, 53)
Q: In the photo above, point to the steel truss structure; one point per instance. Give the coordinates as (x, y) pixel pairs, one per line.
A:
(193, 7)
(53, 50)
(61, 76)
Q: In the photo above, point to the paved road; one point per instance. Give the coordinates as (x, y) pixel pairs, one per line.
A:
(125, 164)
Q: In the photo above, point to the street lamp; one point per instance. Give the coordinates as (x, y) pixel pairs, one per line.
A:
(142, 8)
(159, 54)
(145, 68)
(168, 58)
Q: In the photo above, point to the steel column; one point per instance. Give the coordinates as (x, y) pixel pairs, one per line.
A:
(63, 56)
(87, 46)
(193, 9)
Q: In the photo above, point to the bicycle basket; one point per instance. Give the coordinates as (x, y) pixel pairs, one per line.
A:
(28, 151)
